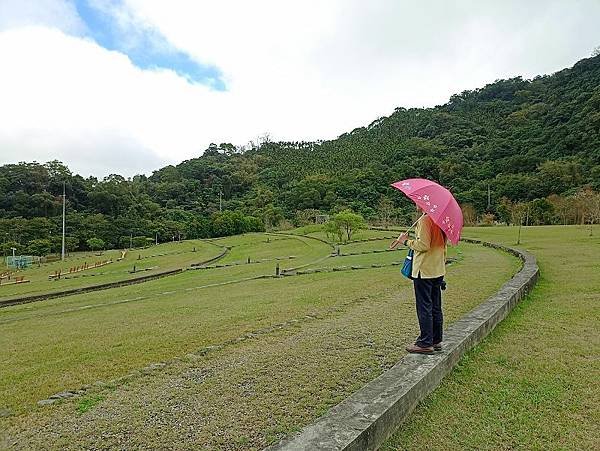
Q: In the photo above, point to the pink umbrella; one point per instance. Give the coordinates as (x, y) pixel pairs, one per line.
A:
(437, 202)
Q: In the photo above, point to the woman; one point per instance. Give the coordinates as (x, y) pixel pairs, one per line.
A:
(429, 268)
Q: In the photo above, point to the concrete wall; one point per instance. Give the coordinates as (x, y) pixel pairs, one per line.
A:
(368, 417)
(74, 291)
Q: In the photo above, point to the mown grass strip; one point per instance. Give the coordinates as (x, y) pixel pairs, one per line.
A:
(533, 383)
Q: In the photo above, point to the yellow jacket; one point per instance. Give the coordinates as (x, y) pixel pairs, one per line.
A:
(429, 261)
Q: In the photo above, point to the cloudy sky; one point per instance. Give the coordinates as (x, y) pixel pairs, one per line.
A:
(127, 86)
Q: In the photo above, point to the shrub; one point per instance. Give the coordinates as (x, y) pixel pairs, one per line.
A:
(39, 247)
(95, 244)
(140, 241)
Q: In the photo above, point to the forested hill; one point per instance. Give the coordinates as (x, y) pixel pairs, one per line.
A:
(524, 140)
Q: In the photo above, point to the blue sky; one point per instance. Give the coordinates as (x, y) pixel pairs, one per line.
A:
(146, 47)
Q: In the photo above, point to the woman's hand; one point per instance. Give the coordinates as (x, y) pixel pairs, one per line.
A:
(399, 240)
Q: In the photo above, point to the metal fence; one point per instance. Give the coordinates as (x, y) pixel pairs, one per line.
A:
(21, 261)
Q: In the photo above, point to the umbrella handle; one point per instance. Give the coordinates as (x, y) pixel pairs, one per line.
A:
(414, 224)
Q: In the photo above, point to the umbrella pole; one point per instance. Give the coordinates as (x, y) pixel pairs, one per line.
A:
(411, 227)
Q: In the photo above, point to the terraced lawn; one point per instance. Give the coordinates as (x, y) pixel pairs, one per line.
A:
(147, 261)
(245, 362)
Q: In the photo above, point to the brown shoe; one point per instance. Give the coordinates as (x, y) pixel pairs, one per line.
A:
(416, 349)
(437, 347)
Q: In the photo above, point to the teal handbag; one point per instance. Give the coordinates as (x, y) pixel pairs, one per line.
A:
(408, 264)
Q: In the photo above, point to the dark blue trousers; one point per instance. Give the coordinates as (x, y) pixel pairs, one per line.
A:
(428, 295)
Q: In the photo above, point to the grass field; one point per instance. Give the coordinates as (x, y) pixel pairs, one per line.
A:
(248, 361)
(131, 325)
(146, 261)
(533, 384)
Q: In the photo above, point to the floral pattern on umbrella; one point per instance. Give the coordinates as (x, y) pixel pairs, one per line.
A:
(439, 204)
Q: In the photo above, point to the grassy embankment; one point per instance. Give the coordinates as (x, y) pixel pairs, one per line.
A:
(533, 383)
(337, 331)
(146, 261)
(67, 342)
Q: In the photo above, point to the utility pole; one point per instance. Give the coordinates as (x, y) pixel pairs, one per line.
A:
(489, 198)
(131, 241)
(156, 239)
(220, 200)
(62, 254)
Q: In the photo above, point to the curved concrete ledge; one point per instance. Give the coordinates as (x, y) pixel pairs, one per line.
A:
(289, 271)
(367, 418)
(104, 286)
(212, 260)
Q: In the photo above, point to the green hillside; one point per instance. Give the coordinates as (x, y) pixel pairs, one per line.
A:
(512, 146)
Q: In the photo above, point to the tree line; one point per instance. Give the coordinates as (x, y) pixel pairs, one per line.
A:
(512, 151)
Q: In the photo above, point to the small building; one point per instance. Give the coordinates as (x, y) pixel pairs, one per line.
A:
(321, 219)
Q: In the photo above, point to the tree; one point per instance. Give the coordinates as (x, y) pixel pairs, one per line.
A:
(345, 223)
(95, 243)
(487, 219)
(583, 201)
(595, 209)
(541, 211)
(588, 206)
(226, 223)
(558, 176)
(140, 241)
(525, 139)
(561, 206)
(39, 247)
(333, 231)
(253, 224)
(385, 210)
(71, 243)
(469, 214)
(307, 216)
(271, 216)
(7, 248)
(229, 223)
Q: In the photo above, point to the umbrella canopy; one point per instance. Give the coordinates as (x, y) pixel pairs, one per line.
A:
(437, 202)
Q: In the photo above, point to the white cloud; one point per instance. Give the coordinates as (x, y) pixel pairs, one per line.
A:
(59, 14)
(301, 70)
(68, 98)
